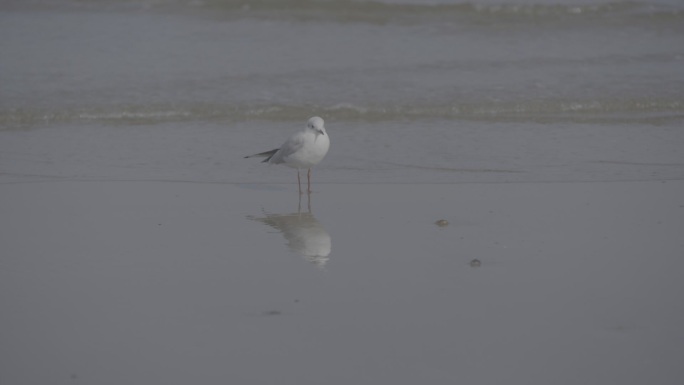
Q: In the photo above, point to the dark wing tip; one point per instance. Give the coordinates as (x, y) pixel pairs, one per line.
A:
(267, 154)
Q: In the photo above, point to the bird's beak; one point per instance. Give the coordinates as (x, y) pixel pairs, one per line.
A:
(321, 132)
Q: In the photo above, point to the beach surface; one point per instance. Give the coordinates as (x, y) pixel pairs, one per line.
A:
(176, 283)
(502, 203)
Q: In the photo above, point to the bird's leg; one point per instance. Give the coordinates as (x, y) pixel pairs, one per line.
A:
(299, 206)
(299, 183)
(308, 180)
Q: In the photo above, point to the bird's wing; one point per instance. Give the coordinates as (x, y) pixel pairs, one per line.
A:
(265, 154)
(292, 145)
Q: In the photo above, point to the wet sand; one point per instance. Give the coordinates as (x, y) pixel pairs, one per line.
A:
(177, 283)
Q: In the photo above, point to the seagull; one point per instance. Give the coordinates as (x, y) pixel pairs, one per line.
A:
(304, 149)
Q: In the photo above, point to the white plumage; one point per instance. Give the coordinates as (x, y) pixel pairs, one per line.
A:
(304, 149)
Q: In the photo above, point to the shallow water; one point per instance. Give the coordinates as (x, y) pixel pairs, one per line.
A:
(148, 282)
(411, 93)
(115, 60)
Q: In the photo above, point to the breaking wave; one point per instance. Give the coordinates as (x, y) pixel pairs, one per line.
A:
(383, 11)
(606, 111)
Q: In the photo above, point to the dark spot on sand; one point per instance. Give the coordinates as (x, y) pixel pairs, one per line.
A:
(475, 263)
(272, 312)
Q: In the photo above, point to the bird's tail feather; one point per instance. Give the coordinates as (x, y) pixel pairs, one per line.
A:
(267, 154)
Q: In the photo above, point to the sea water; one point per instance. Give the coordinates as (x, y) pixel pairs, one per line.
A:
(411, 91)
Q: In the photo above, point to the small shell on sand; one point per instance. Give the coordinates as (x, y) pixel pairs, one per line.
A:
(442, 223)
(475, 263)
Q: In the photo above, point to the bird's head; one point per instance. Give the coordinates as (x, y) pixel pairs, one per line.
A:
(317, 125)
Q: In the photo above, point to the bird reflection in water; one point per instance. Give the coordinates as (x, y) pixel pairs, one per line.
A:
(304, 234)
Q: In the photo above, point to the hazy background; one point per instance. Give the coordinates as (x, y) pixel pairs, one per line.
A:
(442, 91)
